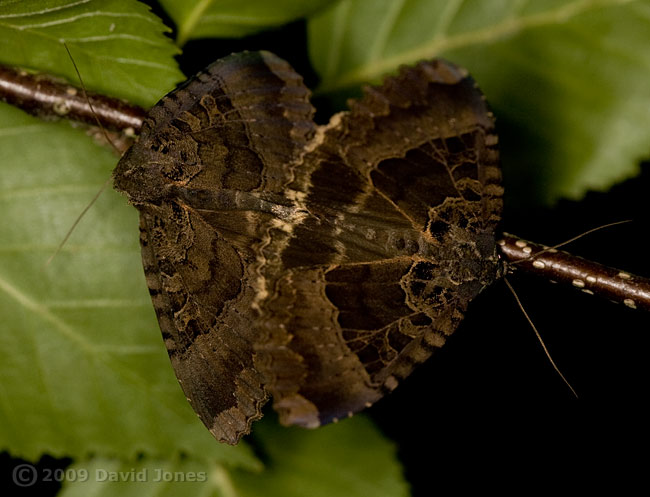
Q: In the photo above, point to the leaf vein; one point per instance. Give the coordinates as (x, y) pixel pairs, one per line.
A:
(93, 303)
(71, 19)
(338, 36)
(116, 36)
(505, 28)
(447, 17)
(64, 328)
(190, 22)
(385, 29)
(44, 11)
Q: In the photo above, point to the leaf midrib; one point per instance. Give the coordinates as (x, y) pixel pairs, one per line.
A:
(437, 45)
(100, 353)
(190, 22)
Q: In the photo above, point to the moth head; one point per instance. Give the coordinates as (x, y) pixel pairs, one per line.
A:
(138, 174)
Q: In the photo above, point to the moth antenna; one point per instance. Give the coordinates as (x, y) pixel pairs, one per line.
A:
(108, 180)
(85, 93)
(76, 222)
(571, 240)
(539, 337)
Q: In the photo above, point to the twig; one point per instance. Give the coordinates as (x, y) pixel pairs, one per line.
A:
(44, 97)
(562, 267)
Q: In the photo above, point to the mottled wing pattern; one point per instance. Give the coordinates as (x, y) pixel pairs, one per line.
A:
(317, 264)
(208, 174)
(400, 198)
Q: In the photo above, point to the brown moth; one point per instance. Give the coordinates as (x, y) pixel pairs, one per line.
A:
(316, 264)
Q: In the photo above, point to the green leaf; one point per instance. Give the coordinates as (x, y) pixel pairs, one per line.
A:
(349, 459)
(83, 359)
(234, 18)
(82, 365)
(105, 477)
(83, 369)
(567, 79)
(119, 46)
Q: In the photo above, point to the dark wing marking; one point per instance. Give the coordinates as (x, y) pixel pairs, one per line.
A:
(401, 198)
(208, 174)
(208, 341)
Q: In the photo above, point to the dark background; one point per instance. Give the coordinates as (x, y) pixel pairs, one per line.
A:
(489, 407)
(489, 410)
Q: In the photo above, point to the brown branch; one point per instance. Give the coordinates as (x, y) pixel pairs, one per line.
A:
(562, 267)
(44, 97)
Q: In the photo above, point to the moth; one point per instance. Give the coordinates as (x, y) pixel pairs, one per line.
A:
(314, 264)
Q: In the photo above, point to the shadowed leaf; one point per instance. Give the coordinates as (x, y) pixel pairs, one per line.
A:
(567, 79)
(233, 18)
